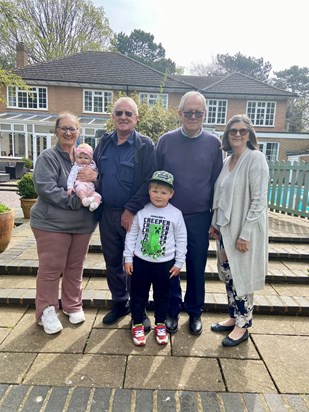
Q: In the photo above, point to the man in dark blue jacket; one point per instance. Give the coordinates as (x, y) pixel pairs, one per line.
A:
(125, 161)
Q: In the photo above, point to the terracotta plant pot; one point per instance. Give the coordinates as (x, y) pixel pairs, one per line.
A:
(26, 205)
(6, 229)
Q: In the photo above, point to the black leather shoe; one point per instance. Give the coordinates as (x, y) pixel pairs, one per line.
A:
(115, 314)
(171, 324)
(216, 327)
(195, 325)
(231, 342)
(146, 323)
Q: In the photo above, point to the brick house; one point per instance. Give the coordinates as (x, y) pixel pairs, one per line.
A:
(85, 84)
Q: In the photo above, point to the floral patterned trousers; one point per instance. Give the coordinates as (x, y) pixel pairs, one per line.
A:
(240, 307)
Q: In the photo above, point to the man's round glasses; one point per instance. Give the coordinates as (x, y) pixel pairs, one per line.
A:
(242, 132)
(119, 113)
(67, 129)
(190, 113)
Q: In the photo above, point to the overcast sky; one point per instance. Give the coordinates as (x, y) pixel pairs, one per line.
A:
(197, 30)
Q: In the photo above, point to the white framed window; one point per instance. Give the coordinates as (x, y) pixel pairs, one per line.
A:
(261, 113)
(33, 98)
(216, 111)
(97, 101)
(152, 98)
(270, 150)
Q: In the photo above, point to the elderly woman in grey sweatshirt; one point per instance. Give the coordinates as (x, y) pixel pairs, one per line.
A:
(240, 226)
(62, 228)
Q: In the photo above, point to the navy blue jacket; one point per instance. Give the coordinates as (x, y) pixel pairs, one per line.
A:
(145, 165)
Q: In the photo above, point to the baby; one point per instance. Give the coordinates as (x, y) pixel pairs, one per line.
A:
(84, 190)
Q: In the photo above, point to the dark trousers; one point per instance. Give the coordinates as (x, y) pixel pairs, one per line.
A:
(144, 275)
(198, 242)
(112, 239)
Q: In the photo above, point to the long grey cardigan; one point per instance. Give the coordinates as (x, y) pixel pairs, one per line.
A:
(243, 203)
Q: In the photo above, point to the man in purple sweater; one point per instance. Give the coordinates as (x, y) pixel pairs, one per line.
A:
(194, 157)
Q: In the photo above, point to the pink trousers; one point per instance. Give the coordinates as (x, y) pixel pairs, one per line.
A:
(60, 254)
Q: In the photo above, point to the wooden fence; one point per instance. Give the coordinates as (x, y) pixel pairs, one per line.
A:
(289, 188)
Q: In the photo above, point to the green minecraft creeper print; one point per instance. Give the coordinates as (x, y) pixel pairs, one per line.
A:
(151, 245)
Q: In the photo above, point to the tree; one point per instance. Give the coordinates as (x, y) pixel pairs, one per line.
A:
(7, 78)
(296, 80)
(52, 29)
(224, 64)
(140, 46)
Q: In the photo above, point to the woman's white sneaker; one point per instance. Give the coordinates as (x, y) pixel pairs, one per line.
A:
(50, 322)
(76, 317)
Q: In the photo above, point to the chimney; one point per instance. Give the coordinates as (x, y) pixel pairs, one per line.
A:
(21, 55)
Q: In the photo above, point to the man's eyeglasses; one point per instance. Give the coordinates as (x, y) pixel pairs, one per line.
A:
(67, 129)
(190, 113)
(119, 113)
(242, 132)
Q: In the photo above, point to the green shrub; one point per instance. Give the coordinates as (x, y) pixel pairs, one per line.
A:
(28, 163)
(25, 187)
(4, 208)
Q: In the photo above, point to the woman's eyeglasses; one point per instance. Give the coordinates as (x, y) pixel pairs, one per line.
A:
(242, 132)
(119, 113)
(67, 129)
(190, 113)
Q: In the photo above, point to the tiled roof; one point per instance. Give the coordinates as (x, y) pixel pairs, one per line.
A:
(233, 84)
(114, 69)
(97, 68)
(199, 82)
(240, 84)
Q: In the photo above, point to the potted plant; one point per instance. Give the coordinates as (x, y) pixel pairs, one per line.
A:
(6, 226)
(28, 195)
(28, 164)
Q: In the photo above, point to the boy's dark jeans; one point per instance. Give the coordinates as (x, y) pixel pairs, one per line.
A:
(144, 275)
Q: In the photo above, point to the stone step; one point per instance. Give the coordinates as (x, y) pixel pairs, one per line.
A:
(4, 177)
(275, 299)
(280, 271)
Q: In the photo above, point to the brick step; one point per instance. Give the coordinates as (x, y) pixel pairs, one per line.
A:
(280, 271)
(274, 299)
(286, 250)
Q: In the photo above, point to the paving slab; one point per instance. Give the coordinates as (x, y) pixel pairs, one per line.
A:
(27, 336)
(14, 366)
(10, 316)
(60, 369)
(173, 373)
(246, 376)
(287, 361)
(280, 325)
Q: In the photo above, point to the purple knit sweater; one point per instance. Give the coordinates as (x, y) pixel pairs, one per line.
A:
(195, 163)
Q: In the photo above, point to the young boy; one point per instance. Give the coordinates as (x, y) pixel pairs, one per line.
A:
(155, 250)
(84, 190)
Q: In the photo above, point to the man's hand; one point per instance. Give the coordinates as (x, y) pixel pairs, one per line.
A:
(127, 220)
(87, 174)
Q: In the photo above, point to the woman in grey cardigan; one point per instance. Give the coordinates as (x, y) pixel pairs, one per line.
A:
(62, 228)
(240, 226)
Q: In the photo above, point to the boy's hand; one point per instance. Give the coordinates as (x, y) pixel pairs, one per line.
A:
(128, 268)
(174, 272)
